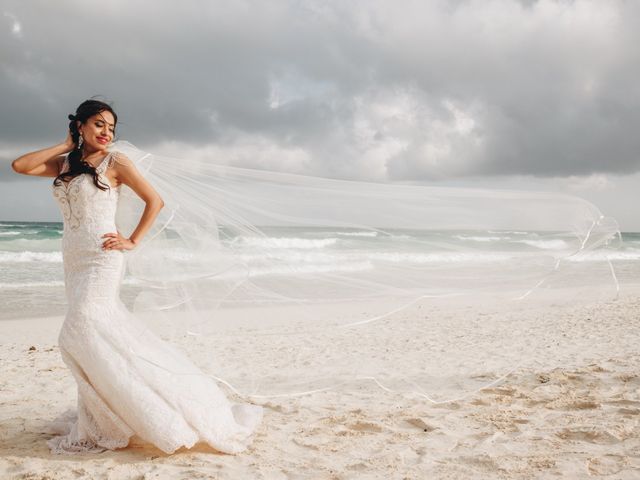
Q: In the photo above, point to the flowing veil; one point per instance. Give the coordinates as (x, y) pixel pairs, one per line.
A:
(415, 289)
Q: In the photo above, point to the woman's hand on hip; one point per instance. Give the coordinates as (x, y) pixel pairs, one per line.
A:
(115, 241)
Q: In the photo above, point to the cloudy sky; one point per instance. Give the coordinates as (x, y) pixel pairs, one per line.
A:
(497, 93)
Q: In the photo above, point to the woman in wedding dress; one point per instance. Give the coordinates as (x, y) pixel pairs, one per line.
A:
(119, 394)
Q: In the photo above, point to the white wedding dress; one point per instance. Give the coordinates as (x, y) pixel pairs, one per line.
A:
(121, 394)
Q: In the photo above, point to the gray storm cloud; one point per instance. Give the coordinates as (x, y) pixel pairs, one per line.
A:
(404, 90)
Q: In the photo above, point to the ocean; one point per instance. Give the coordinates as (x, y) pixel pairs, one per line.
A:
(32, 282)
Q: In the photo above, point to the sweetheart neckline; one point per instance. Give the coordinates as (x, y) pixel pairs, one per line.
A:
(67, 185)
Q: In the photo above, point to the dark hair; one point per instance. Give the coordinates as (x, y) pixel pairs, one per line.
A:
(77, 166)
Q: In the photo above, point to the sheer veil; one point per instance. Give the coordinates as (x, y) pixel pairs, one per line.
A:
(415, 289)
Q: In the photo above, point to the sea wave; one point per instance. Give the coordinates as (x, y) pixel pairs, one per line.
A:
(285, 242)
(28, 256)
(553, 244)
(480, 239)
(512, 232)
(357, 234)
(603, 255)
(16, 285)
(338, 258)
(439, 257)
(52, 283)
(301, 268)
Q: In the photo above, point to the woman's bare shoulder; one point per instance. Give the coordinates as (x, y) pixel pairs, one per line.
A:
(119, 158)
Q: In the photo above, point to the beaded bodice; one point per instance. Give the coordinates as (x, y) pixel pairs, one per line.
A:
(86, 209)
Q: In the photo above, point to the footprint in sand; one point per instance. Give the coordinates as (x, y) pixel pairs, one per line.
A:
(367, 427)
(591, 436)
(421, 424)
(606, 465)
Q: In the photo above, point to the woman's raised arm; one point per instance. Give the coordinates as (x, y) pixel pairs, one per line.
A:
(45, 162)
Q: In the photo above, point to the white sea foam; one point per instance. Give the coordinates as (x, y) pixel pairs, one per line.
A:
(16, 285)
(601, 255)
(363, 233)
(52, 283)
(285, 242)
(302, 268)
(553, 244)
(512, 232)
(357, 234)
(439, 257)
(338, 258)
(480, 239)
(28, 256)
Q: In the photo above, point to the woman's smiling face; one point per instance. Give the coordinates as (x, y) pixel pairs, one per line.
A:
(98, 131)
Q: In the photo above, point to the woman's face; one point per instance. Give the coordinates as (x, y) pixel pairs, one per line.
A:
(97, 132)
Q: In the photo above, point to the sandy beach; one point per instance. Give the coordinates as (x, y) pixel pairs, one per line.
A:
(570, 410)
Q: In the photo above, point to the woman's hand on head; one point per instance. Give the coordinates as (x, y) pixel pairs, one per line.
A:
(115, 241)
(69, 143)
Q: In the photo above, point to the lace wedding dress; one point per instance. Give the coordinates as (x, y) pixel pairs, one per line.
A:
(120, 394)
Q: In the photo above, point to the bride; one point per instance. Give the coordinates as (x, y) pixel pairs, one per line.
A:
(118, 395)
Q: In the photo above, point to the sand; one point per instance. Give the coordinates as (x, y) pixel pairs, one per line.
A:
(571, 410)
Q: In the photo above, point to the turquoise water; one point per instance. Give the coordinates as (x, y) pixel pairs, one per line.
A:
(32, 282)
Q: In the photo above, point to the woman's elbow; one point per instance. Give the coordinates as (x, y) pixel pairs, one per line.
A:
(17, 166)
(154, 203)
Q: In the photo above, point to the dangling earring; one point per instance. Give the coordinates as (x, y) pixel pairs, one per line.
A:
(79, 142)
